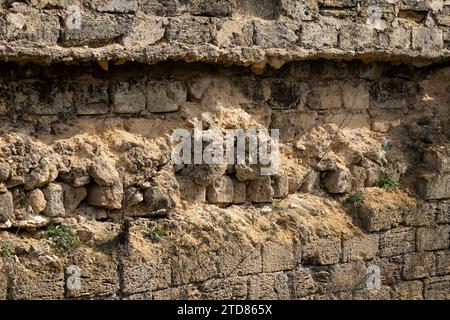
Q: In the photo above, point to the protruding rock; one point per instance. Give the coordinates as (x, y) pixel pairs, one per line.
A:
(109, 197)
(4, 171)
(73, 196)
(260, 190)
(280, 185)
(6, 206)
(133, 196)
(158, 198)
(336, 181)
(36, 200)
(221, 191)
(104, 172)
(191, 191)
(54, 195)
(246, 173)
(40, 176)
(76, 177)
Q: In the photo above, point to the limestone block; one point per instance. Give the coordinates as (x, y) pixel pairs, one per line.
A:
(277, 257)
(128, 97)
(430, 238)
(165, 96)
(322, 251)
(434, 186)
(397, 241)
(360, 247)
(427, 38)
(409, 290)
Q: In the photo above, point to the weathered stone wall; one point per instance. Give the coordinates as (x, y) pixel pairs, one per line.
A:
(246, 32)
(96, 88)
(72, 178)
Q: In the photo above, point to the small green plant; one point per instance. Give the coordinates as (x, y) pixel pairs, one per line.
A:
(355, 198)
(5, 249)
(386, 181)
(155, 233)
(226, 219)
(62, 236)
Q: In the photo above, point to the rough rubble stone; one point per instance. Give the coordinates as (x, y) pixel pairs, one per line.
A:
(260, 191)
(54, 195)
(109, 197)
(6, 206)
(36, 200)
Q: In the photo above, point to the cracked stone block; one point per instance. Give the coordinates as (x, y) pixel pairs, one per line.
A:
(147, 275)
(219, 8)
(356, 37)
(409, 290)
(437, 288)
(356, 96)
(165, 8)
(224, 289)
(145, 32)
(220, 191)
(234, 33)
(363, 247)
(191, 191)
(348, 276)
(37, 278)
(443, 263)
(260, 191)
(114, 6)
(239, 259)
(268, 286)
(264, 9)
(322, 251)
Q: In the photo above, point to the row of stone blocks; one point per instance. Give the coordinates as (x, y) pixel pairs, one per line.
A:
(414, 264)
(93, 96)
(103, 28)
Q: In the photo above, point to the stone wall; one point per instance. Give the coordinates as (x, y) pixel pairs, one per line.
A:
(90, 92)
(246, 32)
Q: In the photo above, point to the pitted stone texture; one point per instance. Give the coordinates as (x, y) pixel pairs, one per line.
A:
(437, 288)
(360, 247)
(268, 286)
(436, 238)
(397, 241)
(322, 251)
(277, 257)
(419, 265)
(410, 290)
